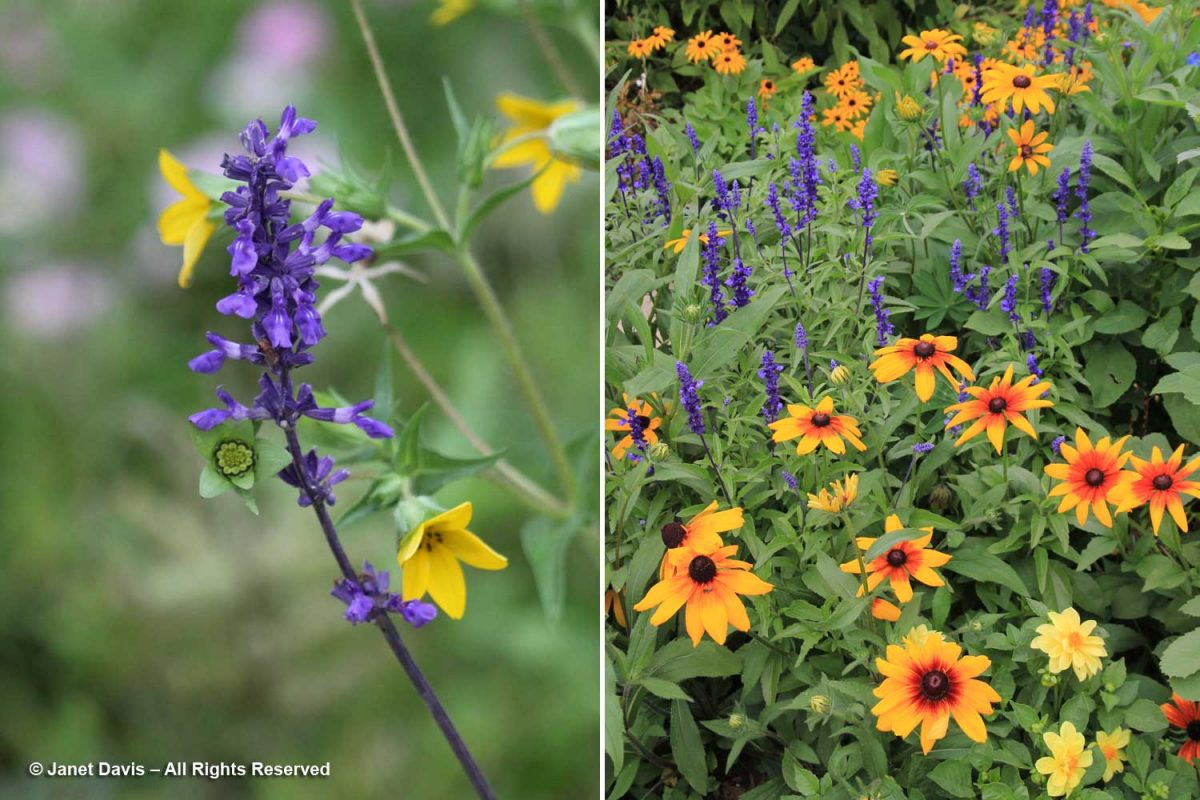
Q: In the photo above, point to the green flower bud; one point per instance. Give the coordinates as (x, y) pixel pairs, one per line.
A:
(575, 137)
(737, 721)
(659, 451)
(941, 497)
(693, 312)
(235, 457)
(819, 704)
(474, 148)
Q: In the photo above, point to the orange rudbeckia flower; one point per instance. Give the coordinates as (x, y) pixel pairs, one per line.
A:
(678, 244)
(1031, 148)
(1021, 84)
(926, 682)
(729, 62)
(702, 47)
(620, 422)
(767, 89)
(708, 581)
(996, 406)
(923, 355)
(1092, 477)
(1185, 714)
(904, 560)
(700, 532)
(937, 43)
(817, 426)
(1159, 484)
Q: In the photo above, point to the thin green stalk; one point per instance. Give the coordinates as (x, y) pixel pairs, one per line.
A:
(475, 276)
(549, 51)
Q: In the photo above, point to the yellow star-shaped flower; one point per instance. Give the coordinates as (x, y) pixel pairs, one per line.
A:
(430, 553)
(531, 119)
(184, 222)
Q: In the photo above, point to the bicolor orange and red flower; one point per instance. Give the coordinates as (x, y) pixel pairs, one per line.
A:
(1092, 477)
(708, 582)
(1160, 485)
(1000, 403)
(619, 422)
(818, 426)
(1185, 715)
(904, 560)
(927, 681)
(923, 355)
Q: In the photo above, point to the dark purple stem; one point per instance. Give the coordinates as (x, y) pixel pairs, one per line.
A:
(436, 709)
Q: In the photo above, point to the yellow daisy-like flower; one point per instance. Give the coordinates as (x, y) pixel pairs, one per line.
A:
(817, 426)
(767, 89)
(429, 557)
(803, 64)
(661, 37)
(1069, 643)
(836, 118)
(921, 356)
(727, 41)
(702, 532)
(1112, 747)
(618, 422)
(1031, 148)
(926, 682)
(904, 560)
(886, 177)
(837, 497)
(938, 43)
(641, 48)
(1069, 758)
(729, 62)
(1020, 84)
(1092, 477)
(702, 47)
(530, 120)
(854, 104)
(184, 222)
(707, 580)
(678, 244)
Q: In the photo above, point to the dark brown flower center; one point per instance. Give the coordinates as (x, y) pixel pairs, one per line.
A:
(1094, 477)
(1162, 482)
(935, 684)
(924, 349)
(1022, 82)
(931, 45)
(1193, 730)
(820, 420)
(997, 405)
(673, 534)
(702, 569)
(643, 421)
(1026, 151)
(896, 558)
(769, 86)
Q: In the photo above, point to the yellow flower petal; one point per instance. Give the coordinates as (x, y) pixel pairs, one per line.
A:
(197, 236)
(470, 549)
(447, 586)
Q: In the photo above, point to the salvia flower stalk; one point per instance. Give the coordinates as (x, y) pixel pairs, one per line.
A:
(273, 260)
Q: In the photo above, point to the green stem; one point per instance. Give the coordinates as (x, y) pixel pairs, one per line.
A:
(862, 565)
(475, 276)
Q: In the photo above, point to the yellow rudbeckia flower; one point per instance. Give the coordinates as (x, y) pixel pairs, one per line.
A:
(531, 119)
(185, 222)
(430, 553)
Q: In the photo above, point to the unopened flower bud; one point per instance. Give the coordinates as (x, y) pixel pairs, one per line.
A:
(908, 108)
(659, 451)
(693, 312)
(819, 704)
(737, 721)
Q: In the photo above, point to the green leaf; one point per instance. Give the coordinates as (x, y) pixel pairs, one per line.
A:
(614, 721)
(954, 777)
(545, 543)
(1182, 656)
(213, 483)
(686, 747)
(678, 661)
(576, 137)
(717, 346)
(989, 323)
(1185, 382)
(980, 565)
(668, 690)
(492, 202)
(1188, 688)
(1127, 316)
(436, 240)
(1145, 716)
(1109, 370)
(269, 458)
(1191, 607)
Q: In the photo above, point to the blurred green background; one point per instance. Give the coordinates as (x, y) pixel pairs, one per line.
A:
(140, 623)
